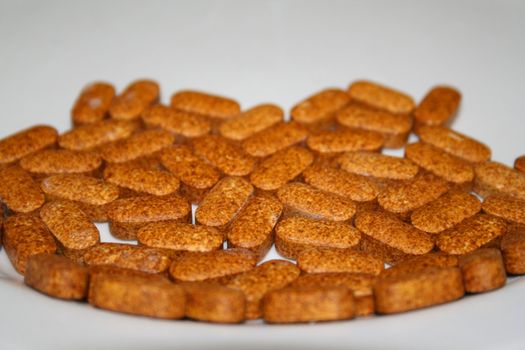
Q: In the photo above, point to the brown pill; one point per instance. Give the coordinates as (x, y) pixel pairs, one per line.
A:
(345, 140)
(24, 236)
(440, 163)
(394, 127)
(224, 155)
(57, 276)
(438, 106)
(382, 251)
(18, 191)
(138, 145)
(137, 294)
(175, 121)
(319, 107)
(281, 168)
(308, 304)
(294, 235)
(519, 164)
(255, 284)
(252, 121)
(305, 200)
(508, 208)
(471, 234)
(446, 211)
(513, 250)
(206, 104)
(411, 291)
(61, 161)
(222, 203)
(420, 263)
(482, 270)
(93, 103)
(274, 139)
(27, 141)
(253, 227)
(496, 178)
(192, 267)
(381, 97)
(134, 100)
(337, 260)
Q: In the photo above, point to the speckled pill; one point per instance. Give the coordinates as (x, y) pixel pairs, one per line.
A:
(319, 107)
(519, 164)
(382, 251)
(213, 106)
(175, 121)
(336, 260)
(274, 139)
(420, 263)
(134, 99)
(496, 178)
(24, 142)
(61, 161)
(482, 270)
(18, 191)
(513, 250)
(252, 121)
(344, 140)
(381, 97)
(507, 208)
(93, 103)
(438, 106)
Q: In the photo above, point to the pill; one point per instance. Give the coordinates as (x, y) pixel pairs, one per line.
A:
(224, 155)
(222, 203)
(275, 138)
(395, 128)
(496, 178)
(24, 142)
(471, 234)
(420, 263)
(519, 164)
(134, 99)
(137, 294)
(438, 106)
(252, 121)
(482, 270)
(308, 304)
(446, 211)
(411, 291)
(381, 97)
(213, 106)
(513, 250)
(255, 284)
(180, 123)
(508, 208)
(18, 191)
(192, 267)
(344, 140)
(253, 227)
(323, 260)
(294, 235)
(93, 103)
(382, 251)
(61, 161)
(57, 276)
(127, 215)
(281, 168)
(319, 107)
(24, 236)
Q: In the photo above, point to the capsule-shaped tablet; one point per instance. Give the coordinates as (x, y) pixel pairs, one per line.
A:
(281, 168)
(27, 141)
(508, 208)
(337, 260)
(308, 304)
(294, 235)
(223, 202)
(446, 211)
(213, 106)
(224, 155)
(513, 250)
(57, 276)
(420, 263)
(344, 140)
(519, 164)
(252, 121)
(438, 106)
(192, 267)
(496, 178)
(381, 97)
(128, 215)
(61, 161)
(482, 270)
(440, 163)
(18, 191)
(253, 227)
(471, 234)
(175, 121)
(319, 107)
(274, 139)
(134, 100)
(394, 127)
(24, 236)
(93, 103)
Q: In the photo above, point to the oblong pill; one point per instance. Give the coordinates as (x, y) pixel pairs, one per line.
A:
(138, 145)
(507, 208)
(496, 178)
(319, 107)
(27, 141)
(61, 161)
(513, 250)
(252, 121)
(335, 260)
(381, 97)
(483, 270)
(519, 164)
(175, 121)
(206, 104)
(274, 139)
(93, 103)
(18, 191)
(420, 263)
(438, 106)
(134, 99)
(345, 140)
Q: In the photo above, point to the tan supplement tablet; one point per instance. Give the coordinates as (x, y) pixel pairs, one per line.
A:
(381, 97)
(336, 260)
(519, 164)
(93, 103)
(320, 107)
(213, 106)
(61, 161)
(513, 250)
(420, 263)
(345, 140)
(438, 106)
(507, 208)
(308, 304)
(134, 99)
(175, 121)
(57, 276)
(27, 141)
(18, 191)
(483, 270)
(496, 178)
(252, 121)
(274, 139)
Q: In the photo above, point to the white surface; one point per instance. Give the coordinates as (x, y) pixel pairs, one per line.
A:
(264, 51)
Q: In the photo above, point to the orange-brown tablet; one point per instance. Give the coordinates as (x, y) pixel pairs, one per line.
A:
(471, 234)
(508, 208)
(175, 121)
(308, 304)
(93, 103)
(128, 215)
(381, 97)
(281, 168)
(134, 99)
(438, 106)
(319, 107)
(519, 164)
(513, 250)
(337, 260)
(394, 127)
(482, 270)
(294, 235)
(496, 178)
(411, 291)
(224, 155)
(440, 163)
(57, 276)
(24, 236)
(27, 141)
(419, 263)
(382, 251)
(253, 227)
(137, 294)
(61, 161)
(192, 267)
(252, 121)
(18, 191)
(223, 202)
(446, 211)
(275, 138)
(213, 106)
(344, 140)
(255, 284)
(138, 145)
(455, 143)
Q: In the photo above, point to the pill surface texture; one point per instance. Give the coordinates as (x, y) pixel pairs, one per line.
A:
(18, 191)
(513, 250)
(27, 141)
(275, 138)
(496, 178)
(252, 121)
(134, 99)
(206, 104)
(438, 106)
(483, 270)
(175, 121)
(335, 260)
(381, 97)
(93, 103)
(319, 107)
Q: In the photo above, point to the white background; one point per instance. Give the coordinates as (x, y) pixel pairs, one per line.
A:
(272, 51)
